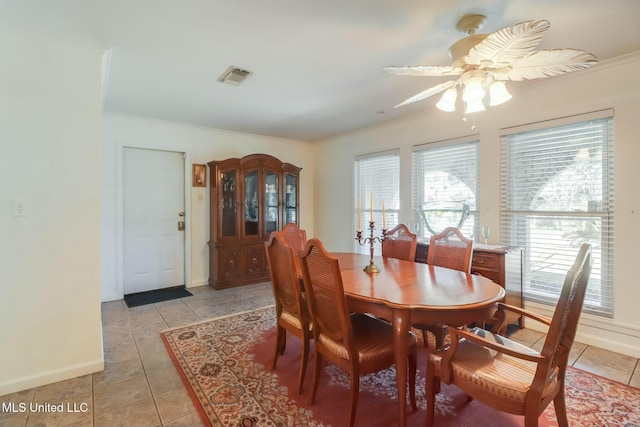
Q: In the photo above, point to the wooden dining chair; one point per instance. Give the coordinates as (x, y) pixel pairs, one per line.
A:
(509, 376)
(356, 343)
(400, 243)
(449, 249)
(294, 236)
(291, 307)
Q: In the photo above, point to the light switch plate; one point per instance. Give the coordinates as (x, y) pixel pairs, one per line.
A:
(20, 207)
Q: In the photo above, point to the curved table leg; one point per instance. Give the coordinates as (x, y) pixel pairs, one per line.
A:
(401, 324)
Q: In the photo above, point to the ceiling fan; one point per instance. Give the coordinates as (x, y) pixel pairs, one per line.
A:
(487, 61)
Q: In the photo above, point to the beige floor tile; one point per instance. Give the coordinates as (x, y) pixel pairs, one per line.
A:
(200, 292)
(150, 344)
(64, 389)
(191, 420)
(13, 419)
(635, 378)
(177, 321)
(156, 361)
(606, 363)
(72, 412)
(164, 380)
(146, 329)
(174, 404)
(528, 337)
(121, 394)
(19, 403)
(117, 372)
(140, 414)
(116, 354)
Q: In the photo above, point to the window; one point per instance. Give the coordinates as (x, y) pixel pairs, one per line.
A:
(445, 187)
(557, 193)
(376, 176)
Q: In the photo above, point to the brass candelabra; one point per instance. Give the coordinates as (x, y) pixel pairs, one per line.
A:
(371, 240)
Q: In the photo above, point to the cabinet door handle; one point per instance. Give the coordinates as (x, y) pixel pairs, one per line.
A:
(254, 260)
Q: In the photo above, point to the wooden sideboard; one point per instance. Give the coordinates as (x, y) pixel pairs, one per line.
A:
(502, 264)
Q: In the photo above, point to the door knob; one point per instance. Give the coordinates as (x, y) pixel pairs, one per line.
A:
(180, 225)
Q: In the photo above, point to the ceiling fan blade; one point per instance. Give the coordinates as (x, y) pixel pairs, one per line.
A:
(427, 93)
(549, 63)
(508, 44)
(424, 70)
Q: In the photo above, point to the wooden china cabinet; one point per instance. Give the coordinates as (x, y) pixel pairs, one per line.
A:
(249, 198)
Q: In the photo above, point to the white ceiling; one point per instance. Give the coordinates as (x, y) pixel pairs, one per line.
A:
(317, 65)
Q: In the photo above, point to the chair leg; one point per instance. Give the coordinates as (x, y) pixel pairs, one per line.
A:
(531, 419)
(355, 390)
(561, 408)
(280, 345)
(316, 375)
(303, 362)
(412, 378)
(425, 338)
(432, 387)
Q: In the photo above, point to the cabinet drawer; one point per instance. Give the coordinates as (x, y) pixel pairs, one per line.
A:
(228, 264)
(253, 260)
(484, 261)
(489, 274)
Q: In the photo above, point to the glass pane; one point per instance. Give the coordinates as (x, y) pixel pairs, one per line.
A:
(557, 193)
(376, 179)
(271, 202)
(290, 202)
(446, 184)
(229, 203)
(251, 203)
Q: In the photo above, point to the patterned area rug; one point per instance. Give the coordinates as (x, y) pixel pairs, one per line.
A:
(225, 364)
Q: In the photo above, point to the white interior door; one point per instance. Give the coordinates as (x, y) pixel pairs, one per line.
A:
(153, 193)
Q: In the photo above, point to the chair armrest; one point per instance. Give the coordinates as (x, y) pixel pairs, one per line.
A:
(530, 314)
(458, 333)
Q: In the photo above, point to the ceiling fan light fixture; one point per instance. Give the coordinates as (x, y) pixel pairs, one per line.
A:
(498, 93)
(473, 91)
(474, 106)
(484, 62)
(448, 101)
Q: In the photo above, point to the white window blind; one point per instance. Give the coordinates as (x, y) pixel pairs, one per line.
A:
(445, 187)
(557, 192)
(376, 175)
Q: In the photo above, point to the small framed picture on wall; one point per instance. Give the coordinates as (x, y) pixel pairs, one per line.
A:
(199, 178)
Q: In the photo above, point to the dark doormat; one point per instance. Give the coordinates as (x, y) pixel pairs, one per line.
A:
(158, 295)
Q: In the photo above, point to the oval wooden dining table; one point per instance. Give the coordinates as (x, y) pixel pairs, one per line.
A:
(406, 293)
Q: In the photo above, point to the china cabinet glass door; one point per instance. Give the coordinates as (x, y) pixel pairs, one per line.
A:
(271, 202)
(290, 196)
(228, 203)
(251, 211)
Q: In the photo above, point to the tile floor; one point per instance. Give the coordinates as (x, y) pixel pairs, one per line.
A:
(140, 386)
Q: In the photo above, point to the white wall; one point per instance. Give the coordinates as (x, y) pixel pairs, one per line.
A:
(201, 145)
(50, 259)
(607, 85)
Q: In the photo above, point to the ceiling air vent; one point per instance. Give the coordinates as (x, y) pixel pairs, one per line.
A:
(234, 76)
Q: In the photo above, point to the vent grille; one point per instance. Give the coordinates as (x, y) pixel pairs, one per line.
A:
(234, 76)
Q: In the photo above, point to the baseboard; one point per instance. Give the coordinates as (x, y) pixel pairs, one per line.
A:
(196, 283)
(111, 297)
(43, 378)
